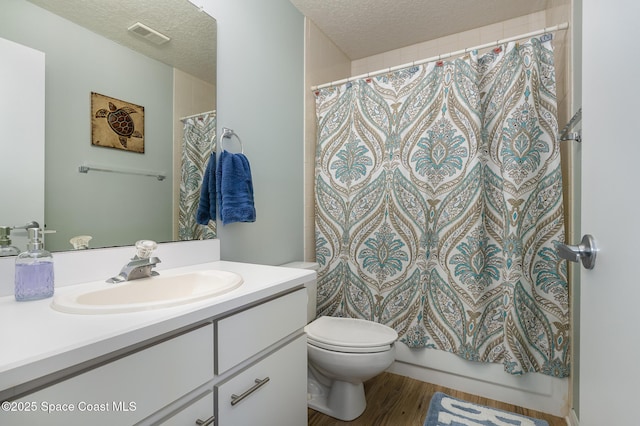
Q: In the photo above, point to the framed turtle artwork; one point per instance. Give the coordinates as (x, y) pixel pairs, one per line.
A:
(116, 124)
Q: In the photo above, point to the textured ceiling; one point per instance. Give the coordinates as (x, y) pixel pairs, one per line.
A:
(362, 28)
(193, 33)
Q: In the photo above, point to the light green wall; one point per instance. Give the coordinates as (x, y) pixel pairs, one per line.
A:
(260, 96)
(77, 62)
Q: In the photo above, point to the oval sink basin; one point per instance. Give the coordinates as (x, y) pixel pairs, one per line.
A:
(147, 293)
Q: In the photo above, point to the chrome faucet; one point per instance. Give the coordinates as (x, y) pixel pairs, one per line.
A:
(140, 266)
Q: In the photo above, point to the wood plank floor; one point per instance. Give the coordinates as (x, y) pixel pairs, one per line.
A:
(394, 400)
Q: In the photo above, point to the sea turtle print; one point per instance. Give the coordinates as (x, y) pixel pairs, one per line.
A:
(120, 121)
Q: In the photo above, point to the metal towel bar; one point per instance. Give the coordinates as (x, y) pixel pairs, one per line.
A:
(86, 169)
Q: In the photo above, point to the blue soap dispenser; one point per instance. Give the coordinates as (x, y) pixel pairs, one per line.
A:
(34, 270)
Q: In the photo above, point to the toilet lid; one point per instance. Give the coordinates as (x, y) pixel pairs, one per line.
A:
(350, 334)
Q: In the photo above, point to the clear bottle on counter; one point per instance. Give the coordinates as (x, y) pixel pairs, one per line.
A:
(34, 270)
(6, 249)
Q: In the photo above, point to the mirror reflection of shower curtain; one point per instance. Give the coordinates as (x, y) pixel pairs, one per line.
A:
(439, 204)
(199, 141)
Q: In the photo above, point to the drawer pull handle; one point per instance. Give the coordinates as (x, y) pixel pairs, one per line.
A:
(207, 422)
(259, 383)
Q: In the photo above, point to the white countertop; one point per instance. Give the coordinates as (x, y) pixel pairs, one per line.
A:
(37, 340)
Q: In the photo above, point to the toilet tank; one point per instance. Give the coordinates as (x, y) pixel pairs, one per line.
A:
(312, 287)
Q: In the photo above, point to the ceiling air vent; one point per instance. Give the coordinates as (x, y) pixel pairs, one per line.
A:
(148, 33)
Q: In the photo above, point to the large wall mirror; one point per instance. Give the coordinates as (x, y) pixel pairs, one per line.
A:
(89, 49)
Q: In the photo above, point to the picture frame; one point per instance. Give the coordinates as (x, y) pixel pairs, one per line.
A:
(116, 123)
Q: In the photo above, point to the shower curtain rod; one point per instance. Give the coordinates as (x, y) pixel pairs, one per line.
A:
(554, 28)
(197, 115)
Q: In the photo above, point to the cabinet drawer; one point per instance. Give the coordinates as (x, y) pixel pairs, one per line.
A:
(248, 332)
(126, 390)
(274, 390)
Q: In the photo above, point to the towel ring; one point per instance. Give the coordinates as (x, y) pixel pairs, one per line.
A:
(228, 133)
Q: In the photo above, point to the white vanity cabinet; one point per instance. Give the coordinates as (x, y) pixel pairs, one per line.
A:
(244, 367)
(272, 392)
(197, 411)
(262, 364)
(126, 390)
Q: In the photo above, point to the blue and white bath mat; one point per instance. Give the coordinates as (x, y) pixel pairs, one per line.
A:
(445, 410)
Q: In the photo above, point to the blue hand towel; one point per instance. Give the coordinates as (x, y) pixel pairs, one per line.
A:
(207, 206)
(234, 188)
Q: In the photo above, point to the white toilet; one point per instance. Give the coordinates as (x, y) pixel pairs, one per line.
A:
(342, 354)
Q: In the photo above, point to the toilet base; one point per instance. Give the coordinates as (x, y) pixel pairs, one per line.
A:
(341, 400)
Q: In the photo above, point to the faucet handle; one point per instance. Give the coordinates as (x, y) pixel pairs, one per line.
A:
(144, 248)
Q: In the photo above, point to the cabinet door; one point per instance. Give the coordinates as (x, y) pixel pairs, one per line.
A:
(200, 410)
(124, 391)
(279, 401)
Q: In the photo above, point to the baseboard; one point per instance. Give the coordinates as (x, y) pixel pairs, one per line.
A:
(572, 419)
(534, 391)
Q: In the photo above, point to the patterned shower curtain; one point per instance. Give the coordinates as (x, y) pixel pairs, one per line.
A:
(199, 141)
(439, 205)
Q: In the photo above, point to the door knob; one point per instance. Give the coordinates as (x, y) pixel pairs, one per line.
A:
(585, 251)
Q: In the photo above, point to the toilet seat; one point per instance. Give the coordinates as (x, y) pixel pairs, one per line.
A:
(350, 335)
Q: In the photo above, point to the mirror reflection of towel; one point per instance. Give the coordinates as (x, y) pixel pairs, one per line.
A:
(207, 206)
(234, 188)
